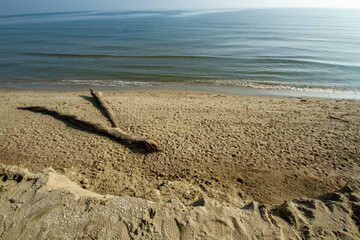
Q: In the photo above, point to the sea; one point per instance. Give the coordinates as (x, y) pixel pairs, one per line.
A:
(282, 52)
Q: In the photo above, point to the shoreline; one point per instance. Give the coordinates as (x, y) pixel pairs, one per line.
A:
(226, 89)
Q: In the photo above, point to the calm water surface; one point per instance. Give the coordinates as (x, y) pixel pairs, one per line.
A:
(294, 51)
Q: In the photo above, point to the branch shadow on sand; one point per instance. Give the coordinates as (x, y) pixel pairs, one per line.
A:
(74, 126)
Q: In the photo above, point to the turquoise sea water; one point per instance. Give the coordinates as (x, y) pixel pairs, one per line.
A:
(274, 51)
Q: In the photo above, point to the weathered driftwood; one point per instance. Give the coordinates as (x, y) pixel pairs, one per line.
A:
(104, 107)
(140, 144)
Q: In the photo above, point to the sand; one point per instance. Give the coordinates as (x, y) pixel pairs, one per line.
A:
(230, 150)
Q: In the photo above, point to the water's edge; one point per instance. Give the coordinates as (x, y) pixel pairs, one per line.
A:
(238, 90)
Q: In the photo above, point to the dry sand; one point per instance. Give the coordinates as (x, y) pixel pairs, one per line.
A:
(229, 149)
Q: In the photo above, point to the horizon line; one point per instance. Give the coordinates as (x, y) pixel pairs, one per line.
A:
(167, 10)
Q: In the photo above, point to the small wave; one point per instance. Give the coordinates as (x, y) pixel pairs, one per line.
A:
(42, 15)
(236, 86)
(110, 83)
(65, 55)
(278, 86)
(258, 59)
(225, 83)
(297, 60)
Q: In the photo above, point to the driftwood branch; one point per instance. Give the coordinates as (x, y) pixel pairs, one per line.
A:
(104, 107)
(140, 144)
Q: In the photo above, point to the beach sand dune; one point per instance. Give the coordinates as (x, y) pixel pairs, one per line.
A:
(48, 205)
(228, 149)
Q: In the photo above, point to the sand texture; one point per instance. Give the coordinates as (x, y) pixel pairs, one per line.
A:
(49, 206)
(244, 155)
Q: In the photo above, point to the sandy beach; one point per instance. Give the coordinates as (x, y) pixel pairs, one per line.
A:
(231, 150)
